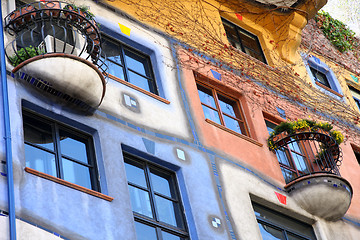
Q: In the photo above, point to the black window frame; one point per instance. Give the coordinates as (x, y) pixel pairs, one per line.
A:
(357, 100)
(238, 29)
(154, 222)
(56, 127)
(283, 227)
(126, 69)
(240, 116)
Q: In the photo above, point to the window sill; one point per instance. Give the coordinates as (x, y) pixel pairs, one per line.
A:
(68, 184)
(139, 89)
(329, 89)
(234, 133)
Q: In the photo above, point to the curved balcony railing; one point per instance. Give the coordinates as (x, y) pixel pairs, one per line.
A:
(53, 27)
(307, 152)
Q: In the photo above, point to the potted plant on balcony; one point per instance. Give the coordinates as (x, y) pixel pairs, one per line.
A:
(285, 130)
(54, 8)
(25, 53)
(22, 15)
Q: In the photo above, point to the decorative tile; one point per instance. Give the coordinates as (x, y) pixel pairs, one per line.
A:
(216, 222)
(180, 154)
(124, 29)
(149, 145)
(216, 74)
(281, 198)
(281, 112)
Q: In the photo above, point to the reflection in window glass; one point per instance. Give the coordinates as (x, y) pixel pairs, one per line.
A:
(129, 65)
(54, 149)
(274, 225)
(156, 202)
(221, 109)
(243, 40)
(145, 232)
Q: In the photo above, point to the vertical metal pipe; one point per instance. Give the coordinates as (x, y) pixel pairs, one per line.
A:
(7, 137)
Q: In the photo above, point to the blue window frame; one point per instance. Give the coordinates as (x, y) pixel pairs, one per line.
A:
(323, 77)
(155, 201)
(356, 96)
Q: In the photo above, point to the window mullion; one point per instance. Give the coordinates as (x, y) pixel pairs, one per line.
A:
(151, 192)
(126, 70)
(58, 158)
(218, 106)
(239, 38)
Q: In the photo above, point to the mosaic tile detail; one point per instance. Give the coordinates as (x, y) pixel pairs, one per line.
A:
(281, 198)
(149, 145)
(281, 112)
(216, 74)
(180, 154)
(216, 222)
(130, 101)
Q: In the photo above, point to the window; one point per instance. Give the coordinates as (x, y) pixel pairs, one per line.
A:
(356, 150)
(356, 96)
(275, 226)
(221, 109)
(323, 77)
(59, 151)
(292, 160)
(320, 77)
(244, 40)
(128, 64)
(155, 201)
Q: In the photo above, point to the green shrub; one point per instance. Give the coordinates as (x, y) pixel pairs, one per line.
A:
(336, 31)
(25, 53)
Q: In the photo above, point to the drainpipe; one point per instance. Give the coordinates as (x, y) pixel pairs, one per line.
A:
(7, 137)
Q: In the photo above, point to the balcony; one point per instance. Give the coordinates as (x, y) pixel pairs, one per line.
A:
(56, 48)
(310, 158)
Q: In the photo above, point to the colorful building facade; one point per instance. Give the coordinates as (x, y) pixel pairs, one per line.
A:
(141, 119)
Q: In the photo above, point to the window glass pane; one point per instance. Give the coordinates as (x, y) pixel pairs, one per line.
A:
(249, 41)
(295, 147)
(168, 236)
(140, 201)
(137, 63)
(162, 183)
(270, 233)
(211, 114)
(229, 107)
(294, 237)
(281, 221)
(145, 232)
(135, 174)
(112, 50)
(300, 162)
(288, 175)
(233, 124)
(38, 132)
(76, 173)
(40, 160)
(320, 77)
(283, 157)
(72, 147)
(115, 70)
(139, 81)
(167, 211)
(206, 96)
(231, 35)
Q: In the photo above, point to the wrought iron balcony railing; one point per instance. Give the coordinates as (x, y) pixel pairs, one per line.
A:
(307, 152)
(53, 27)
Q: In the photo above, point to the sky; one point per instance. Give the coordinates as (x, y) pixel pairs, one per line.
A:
(347, 11)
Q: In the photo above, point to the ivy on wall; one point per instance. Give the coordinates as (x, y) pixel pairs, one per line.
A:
(336, 31)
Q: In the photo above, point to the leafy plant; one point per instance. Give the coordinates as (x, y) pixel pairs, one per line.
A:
(82, 8)
(302, 124)
(25, 53)
(336, 31)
